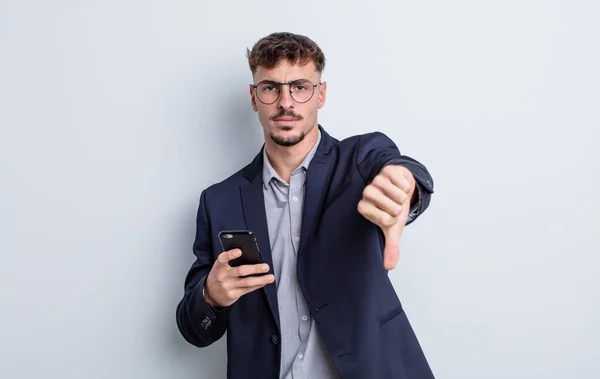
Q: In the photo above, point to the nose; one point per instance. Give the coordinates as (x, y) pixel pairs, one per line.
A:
(285, 98)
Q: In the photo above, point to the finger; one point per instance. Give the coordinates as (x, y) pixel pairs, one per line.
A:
(375, 196)
(228, 255)
(389, 189)
(399, 176)
(254, 281)
(246, 270)
(242, 291)
(375, 215)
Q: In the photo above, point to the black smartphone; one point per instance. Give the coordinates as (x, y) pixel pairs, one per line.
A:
(243, 240)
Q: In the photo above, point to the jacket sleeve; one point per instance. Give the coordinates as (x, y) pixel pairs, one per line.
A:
(376, 150)
(198, 323)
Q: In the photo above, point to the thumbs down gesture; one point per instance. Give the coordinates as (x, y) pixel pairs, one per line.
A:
(386, 203)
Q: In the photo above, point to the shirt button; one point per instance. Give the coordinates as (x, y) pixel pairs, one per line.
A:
(295, 198)
(297, 239)
(304, 318)
(300, 356)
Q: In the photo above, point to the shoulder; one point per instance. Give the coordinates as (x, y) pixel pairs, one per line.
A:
(365, 142)
(228, 185)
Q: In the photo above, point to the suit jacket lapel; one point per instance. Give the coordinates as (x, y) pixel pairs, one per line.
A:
(315, 179)
(256, 220)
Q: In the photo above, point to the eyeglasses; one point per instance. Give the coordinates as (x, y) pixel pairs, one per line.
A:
(301, 90)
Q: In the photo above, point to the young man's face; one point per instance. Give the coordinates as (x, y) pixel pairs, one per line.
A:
(290, 117)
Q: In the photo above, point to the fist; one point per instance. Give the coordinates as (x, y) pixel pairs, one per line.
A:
(386, 203)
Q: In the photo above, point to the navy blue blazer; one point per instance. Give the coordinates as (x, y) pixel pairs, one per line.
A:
(340, 268)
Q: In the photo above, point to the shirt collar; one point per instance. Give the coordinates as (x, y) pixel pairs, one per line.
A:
(268, 172)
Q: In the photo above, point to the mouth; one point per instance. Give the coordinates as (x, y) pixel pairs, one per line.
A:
(286, 117)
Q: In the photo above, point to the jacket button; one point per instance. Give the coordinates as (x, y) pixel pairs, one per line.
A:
(275, 339)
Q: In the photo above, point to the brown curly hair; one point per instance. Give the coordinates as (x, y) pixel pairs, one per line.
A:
(270, 50)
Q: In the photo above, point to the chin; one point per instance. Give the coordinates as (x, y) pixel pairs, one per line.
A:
(284, 139)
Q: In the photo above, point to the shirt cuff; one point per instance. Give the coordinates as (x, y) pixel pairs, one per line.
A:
(415, 208)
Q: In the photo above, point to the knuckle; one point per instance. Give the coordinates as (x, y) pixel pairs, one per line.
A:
(379, 181)
(403, 196)
(246, 282)
(386, 220)
(253, 269)
(370, 192)
(362, 206)
(365, 192)
(405, 184)
(383, 221)
(240, 271)
(220, 276)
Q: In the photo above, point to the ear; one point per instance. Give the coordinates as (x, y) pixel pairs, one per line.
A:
(322, 94)
(253, 99)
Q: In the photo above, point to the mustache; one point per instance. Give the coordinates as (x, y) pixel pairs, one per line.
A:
(287, 114)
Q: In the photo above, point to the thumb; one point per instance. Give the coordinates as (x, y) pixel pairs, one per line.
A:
(392, 234)
(391, 252)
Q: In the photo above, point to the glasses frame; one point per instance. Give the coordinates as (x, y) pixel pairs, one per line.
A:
(255, 86)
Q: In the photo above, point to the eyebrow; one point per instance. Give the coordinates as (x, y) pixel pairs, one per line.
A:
(277, 81)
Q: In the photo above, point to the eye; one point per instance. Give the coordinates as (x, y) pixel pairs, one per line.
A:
(301, 86)
(268, 87)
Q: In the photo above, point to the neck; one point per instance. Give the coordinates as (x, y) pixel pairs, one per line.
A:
(285, 159)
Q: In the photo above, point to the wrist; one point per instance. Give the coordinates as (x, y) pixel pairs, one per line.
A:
(209, 300)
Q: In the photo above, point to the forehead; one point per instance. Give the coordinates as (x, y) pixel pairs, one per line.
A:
(286, 71)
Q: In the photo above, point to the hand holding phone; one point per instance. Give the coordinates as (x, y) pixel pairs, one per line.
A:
(234, 274)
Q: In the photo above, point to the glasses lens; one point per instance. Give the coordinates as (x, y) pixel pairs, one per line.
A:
(302, 90)
(267, 92)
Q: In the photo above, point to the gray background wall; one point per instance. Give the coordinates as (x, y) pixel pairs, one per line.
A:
(114, 115)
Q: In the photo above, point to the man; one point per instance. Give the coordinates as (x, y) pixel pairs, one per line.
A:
(327, 216)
